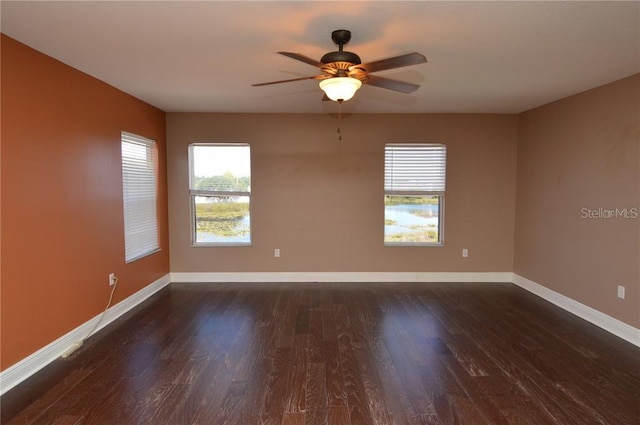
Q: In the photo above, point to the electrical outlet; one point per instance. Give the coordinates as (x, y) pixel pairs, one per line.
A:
(276, 252)
(621, 292)
(465, 252)
(112, 279)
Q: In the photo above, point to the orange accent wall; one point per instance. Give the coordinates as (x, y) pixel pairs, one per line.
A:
(62, 225)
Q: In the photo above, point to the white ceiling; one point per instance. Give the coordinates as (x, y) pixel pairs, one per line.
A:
(188, 56)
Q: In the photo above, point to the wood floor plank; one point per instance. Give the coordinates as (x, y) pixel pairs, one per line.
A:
(334, 379)
(40, 406)
(339, 415)
(287, 322)
(417, 379)
(296, 392)
(511, 401)
(391, 386)
(355, 389)
(316, 407)
(467, 381)
(293, 419)
(68, 420)
(276, 387)
(316, 353)
(253, 400)
(302, 320)
(426, 420)
(339, 354)
(220, 396)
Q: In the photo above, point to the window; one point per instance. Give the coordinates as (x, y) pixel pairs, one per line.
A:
(140, 197)
(414, 185)
(220, 190)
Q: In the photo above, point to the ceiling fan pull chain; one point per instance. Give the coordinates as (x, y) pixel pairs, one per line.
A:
(339, 118)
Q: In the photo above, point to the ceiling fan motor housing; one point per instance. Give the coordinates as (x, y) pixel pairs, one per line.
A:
(341, 56)
(341, 37)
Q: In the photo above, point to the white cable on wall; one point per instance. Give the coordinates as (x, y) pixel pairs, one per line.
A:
(79, 344)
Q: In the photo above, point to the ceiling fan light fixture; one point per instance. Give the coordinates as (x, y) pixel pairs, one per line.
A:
(340, 88)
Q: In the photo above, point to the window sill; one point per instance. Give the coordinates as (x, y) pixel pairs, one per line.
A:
(219, 245)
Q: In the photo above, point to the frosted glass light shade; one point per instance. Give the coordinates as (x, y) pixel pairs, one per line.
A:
(340, 88)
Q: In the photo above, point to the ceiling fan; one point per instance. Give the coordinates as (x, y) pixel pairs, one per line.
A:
(343, 73)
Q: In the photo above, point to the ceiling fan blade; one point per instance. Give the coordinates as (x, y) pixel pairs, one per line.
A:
(303, 58)
(388, 83)
(315, 77)
(395, 62)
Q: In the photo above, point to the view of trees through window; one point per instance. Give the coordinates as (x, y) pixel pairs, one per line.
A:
(220, 188)
(225, 182)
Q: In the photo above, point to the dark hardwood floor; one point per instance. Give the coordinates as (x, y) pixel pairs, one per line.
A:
(339, 354)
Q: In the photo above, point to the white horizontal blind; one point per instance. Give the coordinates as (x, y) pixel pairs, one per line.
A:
(139, 189)
(415, 169)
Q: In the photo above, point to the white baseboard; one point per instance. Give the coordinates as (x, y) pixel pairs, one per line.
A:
(606, 322)
(20, 371)
(26, 367)
(183, 277)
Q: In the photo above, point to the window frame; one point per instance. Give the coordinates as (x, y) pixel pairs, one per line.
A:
(131, 251)
(193, 193)
(437, 189)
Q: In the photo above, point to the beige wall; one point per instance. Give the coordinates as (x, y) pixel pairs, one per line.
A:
(320, 200)
(582, 152)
